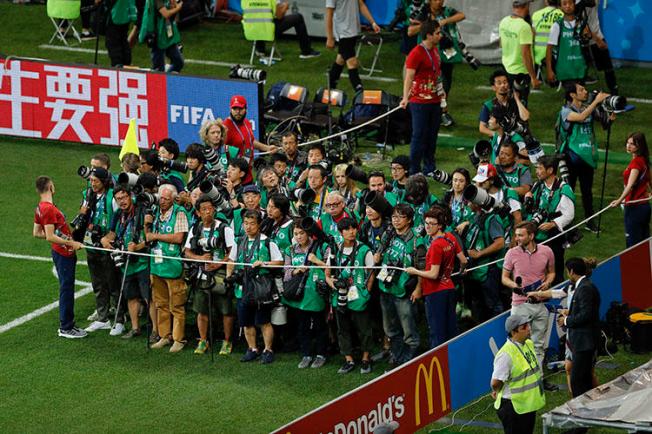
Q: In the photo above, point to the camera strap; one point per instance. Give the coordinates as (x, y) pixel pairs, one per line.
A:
(432, 60)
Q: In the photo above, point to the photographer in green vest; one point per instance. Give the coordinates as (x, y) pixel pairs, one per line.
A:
(120, 14)
(166, 231)
(159, 31)
(516, 383)
(564, 58)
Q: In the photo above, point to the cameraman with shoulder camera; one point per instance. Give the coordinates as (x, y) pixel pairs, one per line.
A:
(402, 248)
(351, 295)
(502, 88)
(160, 32)
(256, 288)
(516, 40)
(577, 141)
(168, 152)
(104, 275)
(126, 232)
(165, 231)
(211, 240)
(552, 208)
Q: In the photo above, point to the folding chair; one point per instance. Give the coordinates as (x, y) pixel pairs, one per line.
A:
(371, 41)
(368, 105)
(319, 113)
(291, 102)
(258, 25)
(63, 13)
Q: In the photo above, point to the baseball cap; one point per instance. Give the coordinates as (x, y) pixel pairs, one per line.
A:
(100, 173)
(251, 188)
(402, 160)
(515, 321)
(238, 101)
(485, 171)
(521, 2)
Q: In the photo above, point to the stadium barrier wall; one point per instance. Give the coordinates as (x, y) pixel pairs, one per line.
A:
(456, 373)
(84, 103)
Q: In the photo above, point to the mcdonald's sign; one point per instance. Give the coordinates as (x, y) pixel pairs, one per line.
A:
(427, 374)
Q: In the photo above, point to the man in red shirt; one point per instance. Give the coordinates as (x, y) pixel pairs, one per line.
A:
(240, 134)
(423, 89)
(50, 224)
(436, 283)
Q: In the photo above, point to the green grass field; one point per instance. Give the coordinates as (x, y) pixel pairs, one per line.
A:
(109, 385)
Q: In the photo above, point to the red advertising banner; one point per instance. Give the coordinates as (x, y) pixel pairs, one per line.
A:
(80, 103)
(415, 395)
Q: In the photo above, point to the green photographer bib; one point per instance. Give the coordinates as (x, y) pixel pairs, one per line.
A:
(124, 234)
(254, 250)
(400, 253)
(163, 267)
(311, 301)
(570, 60)
(357, 296)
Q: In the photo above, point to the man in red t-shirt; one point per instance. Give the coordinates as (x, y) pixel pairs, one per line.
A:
(50, 224)
(436, 284)
(423, 89)
(240, 134)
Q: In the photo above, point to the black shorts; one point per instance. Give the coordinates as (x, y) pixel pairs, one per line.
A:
(137, 286)
(250, 315)
(601, 58)
(346, 47)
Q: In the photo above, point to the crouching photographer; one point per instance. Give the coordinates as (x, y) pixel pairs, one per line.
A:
(551, 206)
(127, 233)
(255, 285)
(210, 240)
(165, 231)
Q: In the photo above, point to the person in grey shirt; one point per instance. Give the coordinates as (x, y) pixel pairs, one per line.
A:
(343, 25)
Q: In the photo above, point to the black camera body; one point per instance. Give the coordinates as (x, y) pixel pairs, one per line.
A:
(252, 74)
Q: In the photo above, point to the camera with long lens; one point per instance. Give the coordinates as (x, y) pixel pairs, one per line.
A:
(572, 237)
(211, 156)
(78, 226)
(167, 165)
(485, 201)
(209, 244)
(441, 176)
(564, 172)
(342, 287)
(237, 278)
(128, 179)
(356, 173)
(376, 200)
(528, 204)
(119, 258)
(611, 104)
(305, 195)
(541, 216)
(473, 62)
(521, 85)
(323, 289)
(217, 193)
(481, 153)
(309, 225)
(511, 123)
(85, 171)
(252, 74)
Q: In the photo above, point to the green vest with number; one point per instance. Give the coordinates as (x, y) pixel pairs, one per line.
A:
(400, 253)
(525, 382)
(477, 238)
(570, 60)
(544, 200)
(579, 138)
(104, 211)
(163, 267)
(311, 301)
(513, 178)
(261, 253)
(358, 275)
(542, 21)
(258, 19)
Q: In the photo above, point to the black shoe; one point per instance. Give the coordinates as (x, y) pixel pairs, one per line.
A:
(591, 227)
(310, 55)
(365, 367)
(446, 120)
(548, 386)
(250, 355)
(346, 367)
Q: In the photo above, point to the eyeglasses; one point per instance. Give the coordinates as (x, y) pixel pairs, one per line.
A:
(428, 223)
(398, 216)
(333, 205)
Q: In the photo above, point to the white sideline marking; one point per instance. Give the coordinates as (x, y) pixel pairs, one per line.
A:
(33, 258)
(47, 308)
(641, 100)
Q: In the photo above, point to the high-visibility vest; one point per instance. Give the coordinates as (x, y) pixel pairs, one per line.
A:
(525, 380)
(542, 22)
(258, 19)
(64, 9)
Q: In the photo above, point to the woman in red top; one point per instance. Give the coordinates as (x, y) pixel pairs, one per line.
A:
(637, 181)
(436, 283)
(422, 88)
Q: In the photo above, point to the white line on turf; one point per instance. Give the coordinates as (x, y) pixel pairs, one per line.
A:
(32, 258)
(641, 100)
(87, 289)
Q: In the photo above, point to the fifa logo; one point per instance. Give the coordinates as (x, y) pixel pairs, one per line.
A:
(427, 375)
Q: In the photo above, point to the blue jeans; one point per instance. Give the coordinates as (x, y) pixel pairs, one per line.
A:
(440, 313)
(425, 127)
(400, 326)
(637, 223)
(65, 266)
(176, 58)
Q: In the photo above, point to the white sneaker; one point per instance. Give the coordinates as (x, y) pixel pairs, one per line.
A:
(98, 325)
(117, 329)
(93, 317)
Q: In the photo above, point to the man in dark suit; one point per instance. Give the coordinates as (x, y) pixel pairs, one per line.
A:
(582, 321)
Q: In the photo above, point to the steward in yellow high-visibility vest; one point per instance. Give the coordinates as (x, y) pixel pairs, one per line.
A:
(258, 19)
(541, 23)
(516, 381)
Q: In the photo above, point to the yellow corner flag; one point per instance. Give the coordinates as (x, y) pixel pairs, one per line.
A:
(130, 143)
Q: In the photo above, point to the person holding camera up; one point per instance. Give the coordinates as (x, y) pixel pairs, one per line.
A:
(210, 240)
(564, 58)
(419, 199)
(351, 295)
(577, 142)
(50, 224)
(516, 40)
(504, 96)
(160, 32)
(100, 207)
(448, 46)
(402, 247)
(423, 89)
(551, 206)
(376, 182)
(126, 232)
(255, 287)
(165, 231)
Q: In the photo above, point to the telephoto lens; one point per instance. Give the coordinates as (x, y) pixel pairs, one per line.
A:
(441, 176)
(84, 171)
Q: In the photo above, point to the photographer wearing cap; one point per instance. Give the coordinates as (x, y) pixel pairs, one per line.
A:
(516, 40)
(126, 233)
(551, 206)
(251, 199)
(504, 96)
(165, 231)
(487, 179)
(105, 277)
(351, 295)
(516, 383)
(402, 248)
(240, 134)
(577, 142)
(210, 240)
(50, 224)
(529, 267)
